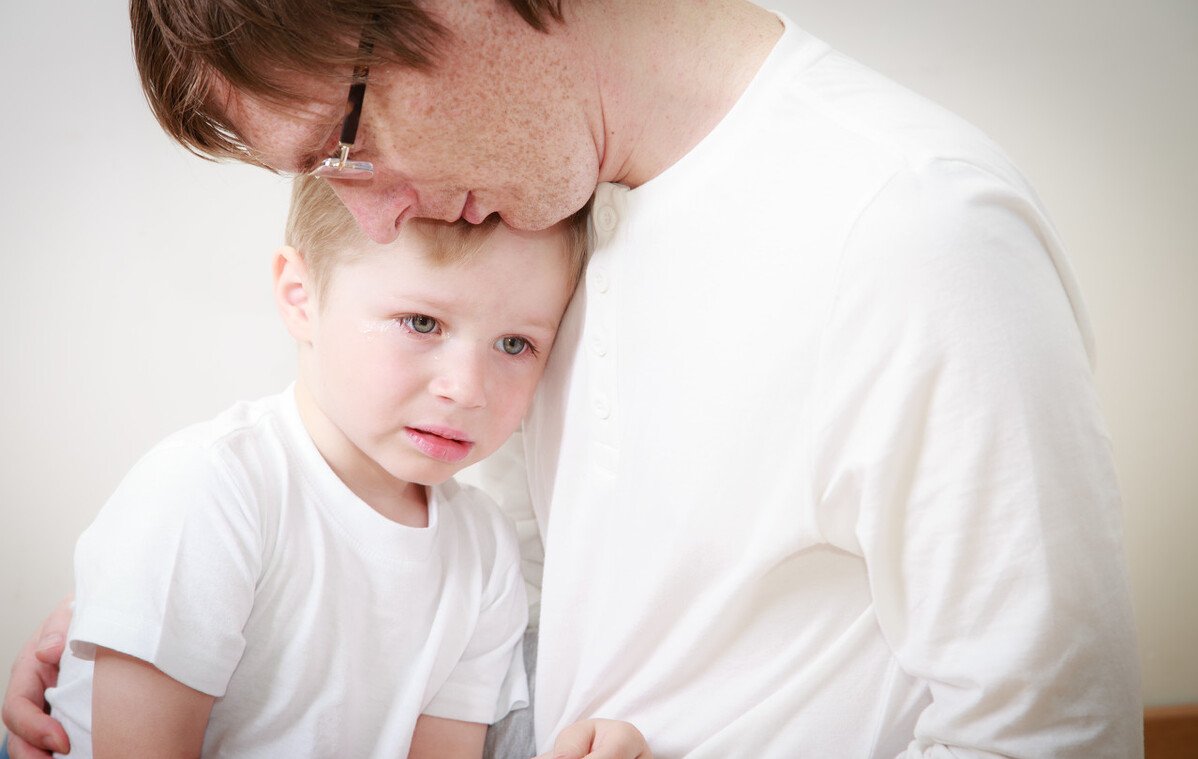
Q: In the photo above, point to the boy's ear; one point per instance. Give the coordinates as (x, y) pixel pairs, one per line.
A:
(292, 298)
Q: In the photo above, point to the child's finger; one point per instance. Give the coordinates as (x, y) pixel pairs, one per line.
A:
(599, 739)
(620, 744)
(19, 749)
(574, 742)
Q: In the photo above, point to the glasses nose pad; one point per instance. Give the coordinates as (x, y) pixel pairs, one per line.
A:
(338, 168)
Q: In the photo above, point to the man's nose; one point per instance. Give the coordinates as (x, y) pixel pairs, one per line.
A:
(375, 206)
(459, 376)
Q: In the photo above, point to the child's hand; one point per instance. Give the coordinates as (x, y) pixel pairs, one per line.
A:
(599, 739)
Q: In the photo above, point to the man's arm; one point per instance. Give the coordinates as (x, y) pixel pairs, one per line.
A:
(137, 710)
(34, 734)
(966, 447)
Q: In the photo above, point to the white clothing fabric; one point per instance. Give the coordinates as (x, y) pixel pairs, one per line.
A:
(502, 475)
(818, 459)
(233, 559)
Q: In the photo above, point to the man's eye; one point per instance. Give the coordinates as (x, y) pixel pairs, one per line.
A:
(420, 323)
(513, 346)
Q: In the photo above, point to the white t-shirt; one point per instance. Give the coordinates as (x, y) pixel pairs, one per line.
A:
(817, 457)
(233, 559)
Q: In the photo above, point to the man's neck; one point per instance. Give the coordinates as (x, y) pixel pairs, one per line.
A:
(668, 71)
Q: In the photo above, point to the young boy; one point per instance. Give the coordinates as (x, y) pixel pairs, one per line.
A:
(301, 576)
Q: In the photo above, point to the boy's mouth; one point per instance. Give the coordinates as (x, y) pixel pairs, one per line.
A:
(441, 443)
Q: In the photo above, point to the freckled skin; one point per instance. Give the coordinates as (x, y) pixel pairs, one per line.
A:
(500, 116)
(522, 123)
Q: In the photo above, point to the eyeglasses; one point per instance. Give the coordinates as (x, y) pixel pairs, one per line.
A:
(338, 166)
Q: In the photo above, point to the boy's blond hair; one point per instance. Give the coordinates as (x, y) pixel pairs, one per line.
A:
(326, 235)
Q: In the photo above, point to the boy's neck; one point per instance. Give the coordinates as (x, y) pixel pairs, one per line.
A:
(402, 502)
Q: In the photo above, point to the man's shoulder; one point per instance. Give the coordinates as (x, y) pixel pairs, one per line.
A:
(833, 102)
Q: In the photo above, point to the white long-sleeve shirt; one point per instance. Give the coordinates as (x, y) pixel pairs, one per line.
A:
(818, 461)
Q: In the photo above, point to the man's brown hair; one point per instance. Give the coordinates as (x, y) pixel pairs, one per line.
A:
(183, 47)
(326, 235)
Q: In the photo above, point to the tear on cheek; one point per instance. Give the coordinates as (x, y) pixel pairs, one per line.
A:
(373, 329)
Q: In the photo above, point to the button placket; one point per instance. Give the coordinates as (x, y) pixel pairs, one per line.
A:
(601, 320)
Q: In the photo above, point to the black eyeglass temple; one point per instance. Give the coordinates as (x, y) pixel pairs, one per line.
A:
(357, 90)
(357, 93)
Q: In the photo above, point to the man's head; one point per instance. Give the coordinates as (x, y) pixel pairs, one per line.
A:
(420, 356)
(472, 107)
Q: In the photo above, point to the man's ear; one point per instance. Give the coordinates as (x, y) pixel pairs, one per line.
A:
(292, 296)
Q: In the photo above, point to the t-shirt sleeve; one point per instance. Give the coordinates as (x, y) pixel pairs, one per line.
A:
(962, 433)
(166, 573)
(489, 679)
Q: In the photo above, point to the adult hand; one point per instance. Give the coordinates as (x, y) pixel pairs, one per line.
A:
(34, 734)
(598, 739)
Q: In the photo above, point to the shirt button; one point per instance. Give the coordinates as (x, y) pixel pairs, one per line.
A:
(599, 280)
(597, 346)
(606, 218)
(602, 410)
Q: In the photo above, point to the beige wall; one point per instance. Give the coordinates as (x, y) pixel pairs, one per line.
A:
(134, 282)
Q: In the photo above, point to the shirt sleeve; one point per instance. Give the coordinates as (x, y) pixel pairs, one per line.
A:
(963, 438)
(489, 679)
(166, 573)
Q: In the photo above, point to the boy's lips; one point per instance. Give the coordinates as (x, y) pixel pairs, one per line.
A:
(441, 443)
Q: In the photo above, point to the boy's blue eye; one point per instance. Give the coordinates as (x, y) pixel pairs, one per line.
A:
(421, 323)
(513, 346)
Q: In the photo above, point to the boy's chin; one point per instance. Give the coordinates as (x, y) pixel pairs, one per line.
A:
(433, 481)
(439, 473)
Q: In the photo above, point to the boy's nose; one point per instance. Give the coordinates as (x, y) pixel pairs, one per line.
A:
(460, 377)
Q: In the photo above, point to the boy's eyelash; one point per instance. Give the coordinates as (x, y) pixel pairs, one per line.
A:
(530, 351)
(405, 321)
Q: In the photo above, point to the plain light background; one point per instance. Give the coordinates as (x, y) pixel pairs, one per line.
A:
(134, 279)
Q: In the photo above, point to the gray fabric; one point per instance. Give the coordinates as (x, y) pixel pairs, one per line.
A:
(512, 737)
